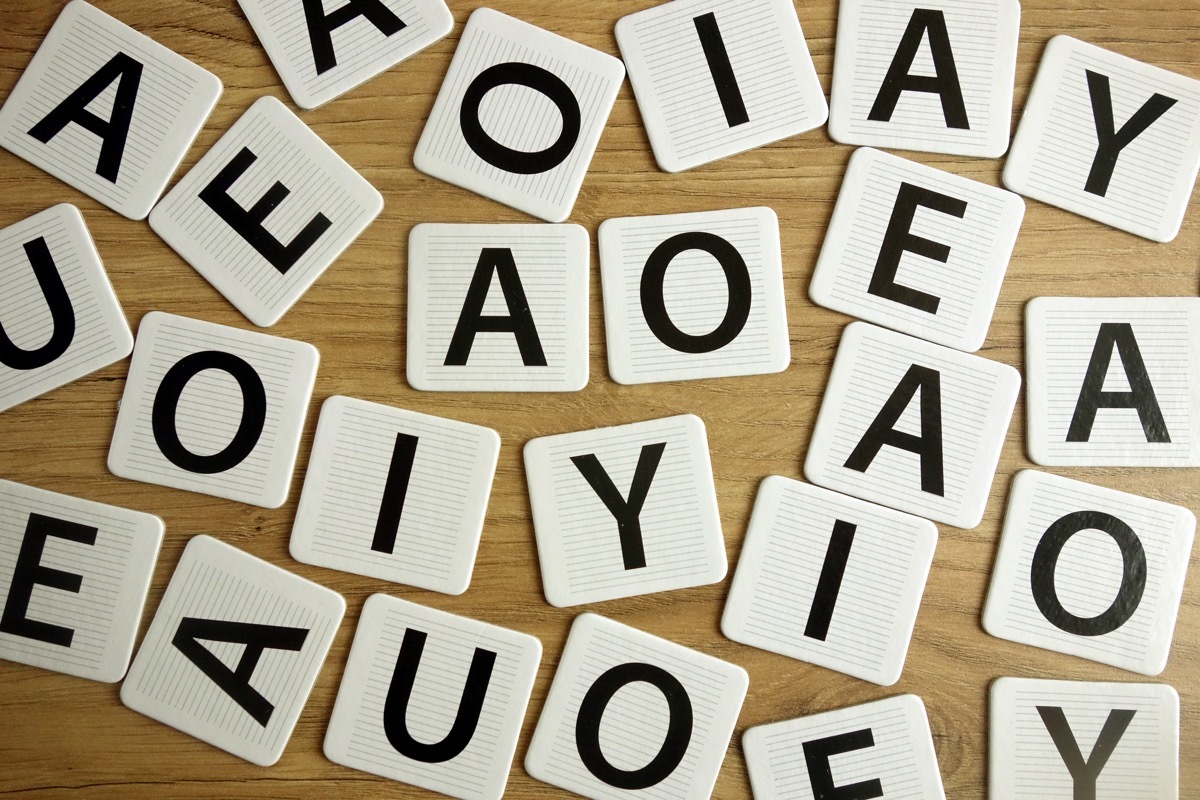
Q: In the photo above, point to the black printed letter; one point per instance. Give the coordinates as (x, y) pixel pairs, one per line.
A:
(721, 70)
(1133, 573)
(499, 155)
(675, 743)
(394, 492)
(654, 306)
(1112, 143)
(113, 131)
(627, 512)
(830, 582)
(519, 322)
(395, 707)
(236, 682)
(249, 222)
(166, 403)
(899, 238)
(1085, 773)
(1140, 395)
(820, 774)
(944, 81)
(61, 312)
(322, 26)
(883, 432)
(29, 572)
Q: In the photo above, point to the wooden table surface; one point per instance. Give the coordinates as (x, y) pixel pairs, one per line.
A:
(62, 736)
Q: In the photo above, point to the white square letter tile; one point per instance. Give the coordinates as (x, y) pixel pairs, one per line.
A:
(107, 109)
(396, 495)
(917, 250)
(498, 308)
(1089, 571)
(1110, 138)
(689, 296)
(59, 317)
(1113, 381)
(432, 699)
(73, 580)
(265, 211)
(323, 50)
(624, 511)
(233, 651)
(1121, 740)
(831, 580)
(213, 409)
(628, 711)
(912, 425)
(519, 115)
(714, 78)
(933, 75)
(879, 749)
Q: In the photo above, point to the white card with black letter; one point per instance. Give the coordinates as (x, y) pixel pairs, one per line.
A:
(498, 308)
(107, 109)
(879, 749)
(714, 78)
(690, 296)
(233, 650)
(917, 249)
(213, 409)
(1089, 571)
(1110, 138)
(629, 713)
(1113, 381)
(933, 75)
(73, 580)
(912, 425)
(59, 317)
(1063, 740)
(321, 54)
(829, 579)
(396, 495)
(519, 115)
(624, 511)
(432, 699)
(266, 211)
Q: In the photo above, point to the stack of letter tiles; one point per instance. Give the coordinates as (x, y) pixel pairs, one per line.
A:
(833, 568)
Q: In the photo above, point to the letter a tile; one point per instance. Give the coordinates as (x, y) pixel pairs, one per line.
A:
(396, 495)
(831, 580)
(933, 75)
(107, 109)
(323, 50)
(714, 78)
(498, 308)
(266, 211)
(432, 699)
(630, 714)
(917, 250)
(519, 115)
(911, 425)
(233, 651)
(1110, 138)
(1066, 740)
(59, 317)
(213, 409)
(879, 749)
(1113, 381)
(1090, 572)
(624, 511)
(73, 579)
(690, 296)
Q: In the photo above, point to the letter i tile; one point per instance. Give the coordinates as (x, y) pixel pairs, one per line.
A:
(630, 714)
(432, 699)
(624, 511)
(233, 651)
(266, 211)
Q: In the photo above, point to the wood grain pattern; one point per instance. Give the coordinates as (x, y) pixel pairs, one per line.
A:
(62, 736)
